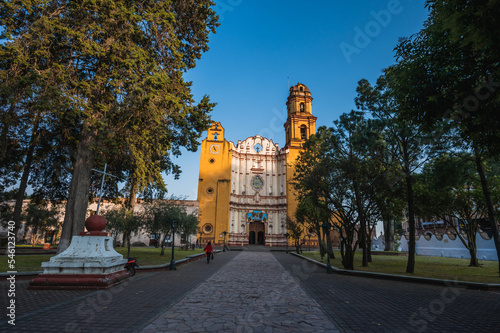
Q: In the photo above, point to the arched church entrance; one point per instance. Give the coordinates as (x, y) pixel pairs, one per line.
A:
(257, 228)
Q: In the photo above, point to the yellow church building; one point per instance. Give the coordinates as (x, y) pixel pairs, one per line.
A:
(244, 190)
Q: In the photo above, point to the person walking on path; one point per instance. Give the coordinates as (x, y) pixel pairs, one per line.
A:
(208, 251)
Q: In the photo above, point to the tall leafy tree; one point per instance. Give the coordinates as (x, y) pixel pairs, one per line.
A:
(104, 55)
(40, 217)
(450, 70)
(125, 221)
(448, 188)
(407, 142)
(163, 217)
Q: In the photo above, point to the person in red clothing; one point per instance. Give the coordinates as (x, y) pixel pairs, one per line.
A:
(208, 251)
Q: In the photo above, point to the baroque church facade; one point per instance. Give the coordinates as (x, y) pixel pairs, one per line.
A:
(244, 190)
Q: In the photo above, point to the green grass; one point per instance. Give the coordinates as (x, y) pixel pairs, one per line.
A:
(425, 266)
(146, 256)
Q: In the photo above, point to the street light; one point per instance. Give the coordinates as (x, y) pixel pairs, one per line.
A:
(326, 228)
(201, 233)
(172, 262)
(224, 240)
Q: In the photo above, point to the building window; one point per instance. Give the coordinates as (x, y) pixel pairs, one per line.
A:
(303, 132)
(211, 160)
(216, 136)
(210, 190)
(301, 107)
(301, 88)
(207, 228)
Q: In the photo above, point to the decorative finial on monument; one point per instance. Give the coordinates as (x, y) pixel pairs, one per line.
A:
(95, 225)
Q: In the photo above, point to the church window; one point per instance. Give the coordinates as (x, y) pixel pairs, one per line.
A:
(216, 136)
(303, 132)
(210, 190)
(257, 147)
(257, 183)
(301, 88)
(211, 160)
(301, 107)
(207, 228)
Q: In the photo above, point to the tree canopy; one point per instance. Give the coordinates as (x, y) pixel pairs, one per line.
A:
(107, 76)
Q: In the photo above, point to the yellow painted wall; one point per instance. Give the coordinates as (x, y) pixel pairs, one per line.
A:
(214, 184)
(297, 118)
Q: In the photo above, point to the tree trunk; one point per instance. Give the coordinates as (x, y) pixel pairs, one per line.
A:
(473, 257)
(128, 244)
(329, 244)
(389, 235)
(321, 245)
(132, 199)
(362, 231)
(26, 173)
(410, 267)
(369, 248)
(78, 198)
(489, 205)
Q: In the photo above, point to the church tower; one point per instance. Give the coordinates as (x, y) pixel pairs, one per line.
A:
(214, 185)
(299, 126)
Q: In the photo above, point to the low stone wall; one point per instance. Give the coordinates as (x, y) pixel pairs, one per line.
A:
(446, 247)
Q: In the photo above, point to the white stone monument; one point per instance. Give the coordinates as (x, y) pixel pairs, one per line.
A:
(90, 262)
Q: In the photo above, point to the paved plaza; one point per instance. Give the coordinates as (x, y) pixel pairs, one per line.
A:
(254, 291)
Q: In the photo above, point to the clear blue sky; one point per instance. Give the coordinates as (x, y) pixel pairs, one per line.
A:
(327, 45)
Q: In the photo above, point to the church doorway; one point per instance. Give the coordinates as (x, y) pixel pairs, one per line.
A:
(260, 238)
(251, 238)
(256, 234)
(257, 228)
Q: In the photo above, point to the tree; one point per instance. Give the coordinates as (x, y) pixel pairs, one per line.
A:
(450, 70)
(407, 142)
(105, 55)
(162, 217)
(295, 230)
(329, 175)
(310, 214)
(39, 217)
(126, 221)
(448, 189)
(310, 173)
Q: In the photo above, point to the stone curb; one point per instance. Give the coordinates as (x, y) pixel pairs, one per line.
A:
(404, 278)
(189, 258)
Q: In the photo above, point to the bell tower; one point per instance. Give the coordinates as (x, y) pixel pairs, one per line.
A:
(299, 126)
(300, 123)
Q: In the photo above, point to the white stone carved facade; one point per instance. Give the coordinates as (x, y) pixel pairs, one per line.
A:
(258, 184)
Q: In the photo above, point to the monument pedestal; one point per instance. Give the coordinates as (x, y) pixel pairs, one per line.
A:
(90, 262)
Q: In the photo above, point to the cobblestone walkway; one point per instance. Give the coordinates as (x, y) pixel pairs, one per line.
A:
(252, 293)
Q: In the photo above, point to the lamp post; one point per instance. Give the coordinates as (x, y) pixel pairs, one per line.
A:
(286, 239)
(326, 228)
(201, 233)
(172, 262)
(224, 240)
